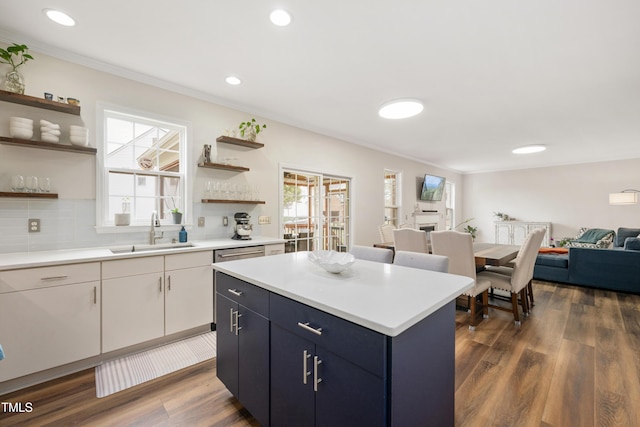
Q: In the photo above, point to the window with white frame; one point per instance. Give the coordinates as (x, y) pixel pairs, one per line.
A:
(143, 168)
(449, 204)
(391, 197)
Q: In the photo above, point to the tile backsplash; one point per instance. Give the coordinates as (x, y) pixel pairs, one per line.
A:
(70, 224)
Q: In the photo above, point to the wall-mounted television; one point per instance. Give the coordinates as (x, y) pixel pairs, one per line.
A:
(432, 188)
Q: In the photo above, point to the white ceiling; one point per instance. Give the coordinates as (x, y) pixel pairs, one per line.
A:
(493, 74)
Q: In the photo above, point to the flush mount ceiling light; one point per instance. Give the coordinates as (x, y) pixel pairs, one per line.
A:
(280, 17)
(528, 149)
(59, 17)
(233, 80)
(400, 109)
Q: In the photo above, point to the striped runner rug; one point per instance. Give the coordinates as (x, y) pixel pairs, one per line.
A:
(120, 374)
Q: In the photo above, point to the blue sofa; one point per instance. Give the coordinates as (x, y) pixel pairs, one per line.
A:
(617, 268)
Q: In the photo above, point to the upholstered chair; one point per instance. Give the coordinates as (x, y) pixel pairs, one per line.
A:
(518, 282)
(458, 247)
(408, 239)
(386, 233)
(423, 261)
(372, 254)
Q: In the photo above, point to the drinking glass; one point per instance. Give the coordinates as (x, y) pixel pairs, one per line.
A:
(45, 184)
(32, 184)
(17, 183)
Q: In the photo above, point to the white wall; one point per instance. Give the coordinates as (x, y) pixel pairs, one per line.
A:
(69, 221)
(569, 197)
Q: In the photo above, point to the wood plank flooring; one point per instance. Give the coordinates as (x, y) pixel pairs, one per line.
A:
(574, 361)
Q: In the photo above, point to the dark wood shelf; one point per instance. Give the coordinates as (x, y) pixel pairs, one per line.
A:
(240, 142)
(29, 195)
(32, 101)
(47, 145)
(223, 167)
(246, 202)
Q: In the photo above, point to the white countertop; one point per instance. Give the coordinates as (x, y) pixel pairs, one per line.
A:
(383, 297)
(11, 261)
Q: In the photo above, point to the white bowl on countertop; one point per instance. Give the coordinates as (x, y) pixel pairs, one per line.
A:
(332, 261)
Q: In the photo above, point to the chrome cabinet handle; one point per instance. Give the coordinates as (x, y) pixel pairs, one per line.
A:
(231, 320)
(95, 295)
(235, 292)
(240, 254)
(55, 277)
(305, 326)
(316, 379)
(168, 283)
(305, 372)
(160, 284)
(238, 327)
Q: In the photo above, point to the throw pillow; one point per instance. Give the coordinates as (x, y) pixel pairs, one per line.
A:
(623, 233)
(632, 244)
(593, 235)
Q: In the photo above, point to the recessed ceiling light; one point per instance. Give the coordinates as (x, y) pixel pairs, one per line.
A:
(59, 17)
(401, 109)
(528, 149)
(280, 17)
(233, 80)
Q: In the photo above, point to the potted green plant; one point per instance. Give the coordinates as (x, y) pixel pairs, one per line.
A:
(14, 55)
(175, 213)
(469, 228)
(250, 129)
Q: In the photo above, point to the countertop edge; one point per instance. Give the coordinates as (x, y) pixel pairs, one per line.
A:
(20, 260)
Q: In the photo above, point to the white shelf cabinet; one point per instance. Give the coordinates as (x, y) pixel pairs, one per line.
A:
(514, 232)
(49, 316)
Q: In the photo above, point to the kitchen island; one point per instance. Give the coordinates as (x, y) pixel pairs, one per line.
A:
(371, 346)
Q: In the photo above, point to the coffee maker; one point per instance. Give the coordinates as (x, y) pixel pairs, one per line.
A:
(243, 228)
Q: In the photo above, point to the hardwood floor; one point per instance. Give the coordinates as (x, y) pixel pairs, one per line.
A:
(575, 361)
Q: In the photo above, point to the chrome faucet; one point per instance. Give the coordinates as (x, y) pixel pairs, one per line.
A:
(155, 222)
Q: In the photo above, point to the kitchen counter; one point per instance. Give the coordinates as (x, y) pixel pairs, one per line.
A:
(382, 297)
(15, 260)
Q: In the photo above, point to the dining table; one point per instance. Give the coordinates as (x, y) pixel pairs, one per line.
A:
(494, 254)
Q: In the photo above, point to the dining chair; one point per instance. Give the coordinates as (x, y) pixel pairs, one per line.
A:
(372, 254)
(518, 282)
(423, 261)
(409, 239)
(458, 247)
(386, 233)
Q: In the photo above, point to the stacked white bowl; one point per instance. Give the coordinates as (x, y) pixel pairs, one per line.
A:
(79, 135)
(21, 128)
(49, 132)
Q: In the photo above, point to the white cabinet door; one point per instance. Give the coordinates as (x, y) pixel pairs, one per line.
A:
(188, 298)
(503, 234)
(519, 233)
(132, 310)
(44, 328)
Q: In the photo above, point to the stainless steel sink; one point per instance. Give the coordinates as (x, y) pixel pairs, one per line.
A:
(149, 248)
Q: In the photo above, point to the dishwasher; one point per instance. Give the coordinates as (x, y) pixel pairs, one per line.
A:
(232, 254)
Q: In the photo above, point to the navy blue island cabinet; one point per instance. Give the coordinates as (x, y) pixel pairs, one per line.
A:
(317, 369)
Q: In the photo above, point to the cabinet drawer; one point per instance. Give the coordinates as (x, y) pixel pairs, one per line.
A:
(274, 249)
(188, 260)
(132, 267)
(44, 277)
(250, 296)
(362, 346)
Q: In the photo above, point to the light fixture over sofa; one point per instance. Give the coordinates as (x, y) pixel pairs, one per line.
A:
(625, 197)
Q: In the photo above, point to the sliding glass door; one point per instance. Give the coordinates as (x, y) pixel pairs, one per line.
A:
(315, 211)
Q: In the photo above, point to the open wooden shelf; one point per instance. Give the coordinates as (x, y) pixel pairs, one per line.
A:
(29, 195)
(240, 142)
(246, 202)
(32, 101)
(47, 145)
(223, 167)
